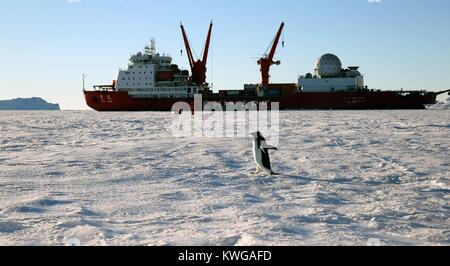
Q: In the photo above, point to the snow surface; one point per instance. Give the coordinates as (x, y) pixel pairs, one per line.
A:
(121, 179)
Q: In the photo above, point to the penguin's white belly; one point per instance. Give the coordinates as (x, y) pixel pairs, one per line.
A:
(257, 154)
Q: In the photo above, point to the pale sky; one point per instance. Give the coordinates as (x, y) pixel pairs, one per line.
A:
(46, 45)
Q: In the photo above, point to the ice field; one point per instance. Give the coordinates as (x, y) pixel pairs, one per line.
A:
(122, 179)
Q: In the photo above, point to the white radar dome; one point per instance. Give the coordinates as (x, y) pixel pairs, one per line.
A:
(328, 65)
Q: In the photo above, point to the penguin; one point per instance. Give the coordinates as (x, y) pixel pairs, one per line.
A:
(261, 153)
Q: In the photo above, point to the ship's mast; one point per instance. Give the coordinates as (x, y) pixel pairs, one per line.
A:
(83, 78)
(152, 49)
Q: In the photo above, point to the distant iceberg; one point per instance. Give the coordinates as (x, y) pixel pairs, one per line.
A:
(28, 104)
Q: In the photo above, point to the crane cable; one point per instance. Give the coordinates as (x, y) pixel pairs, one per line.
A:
(272, 43)
(181, 46)
(212, 63)
(266, 53)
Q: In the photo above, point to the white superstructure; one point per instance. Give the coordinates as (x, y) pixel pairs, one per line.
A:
(330, 77)
(151, 75)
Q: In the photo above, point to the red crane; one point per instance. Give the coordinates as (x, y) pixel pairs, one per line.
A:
(267, 60)
(198, 68)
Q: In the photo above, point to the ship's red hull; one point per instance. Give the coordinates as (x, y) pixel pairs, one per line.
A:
(121, 101)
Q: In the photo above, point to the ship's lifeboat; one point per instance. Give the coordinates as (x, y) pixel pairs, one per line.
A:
(164, 76)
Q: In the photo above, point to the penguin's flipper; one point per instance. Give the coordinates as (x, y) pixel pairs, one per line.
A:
(269, 147)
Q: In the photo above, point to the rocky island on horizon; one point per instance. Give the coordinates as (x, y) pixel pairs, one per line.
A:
(28, 104)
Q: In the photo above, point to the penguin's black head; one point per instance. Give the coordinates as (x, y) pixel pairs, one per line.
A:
(257, 135)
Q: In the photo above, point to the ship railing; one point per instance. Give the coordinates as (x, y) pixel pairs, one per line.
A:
(104, 88)
(409, 92)
(421, 92)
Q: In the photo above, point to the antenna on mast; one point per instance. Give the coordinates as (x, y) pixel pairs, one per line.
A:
(152, 45)
(84, 77)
